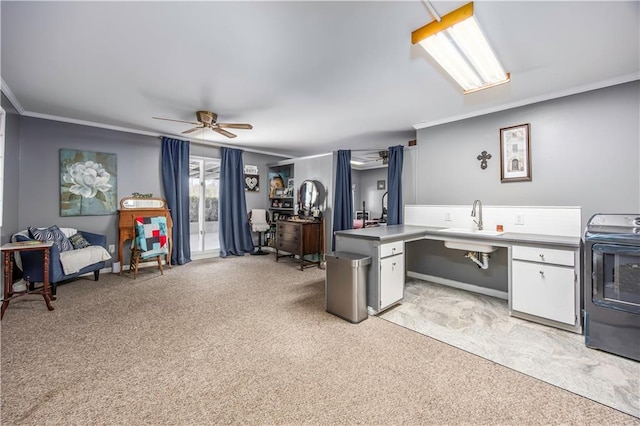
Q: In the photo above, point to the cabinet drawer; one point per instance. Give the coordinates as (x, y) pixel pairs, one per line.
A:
(543, 255)
(289, 228)
(391, 249)
(546, 291)
(287, 237)
(287, 246)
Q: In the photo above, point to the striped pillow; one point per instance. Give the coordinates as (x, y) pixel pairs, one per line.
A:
(53, 233)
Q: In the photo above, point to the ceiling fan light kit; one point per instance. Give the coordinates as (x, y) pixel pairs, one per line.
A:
(209, 120)
(457, 43)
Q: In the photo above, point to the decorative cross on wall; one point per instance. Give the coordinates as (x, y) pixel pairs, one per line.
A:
(483, 157)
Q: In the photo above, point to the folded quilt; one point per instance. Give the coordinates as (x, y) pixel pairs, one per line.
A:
(74, 260)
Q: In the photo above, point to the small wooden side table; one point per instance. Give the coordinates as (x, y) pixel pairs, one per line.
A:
(8, 251)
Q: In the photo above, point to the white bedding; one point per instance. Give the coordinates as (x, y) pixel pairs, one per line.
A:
(67, 231)
(74, 260)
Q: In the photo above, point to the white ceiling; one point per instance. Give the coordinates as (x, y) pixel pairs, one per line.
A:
(311, 76)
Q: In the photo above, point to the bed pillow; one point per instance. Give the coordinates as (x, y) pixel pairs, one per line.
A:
(53, 233)
(79, 241)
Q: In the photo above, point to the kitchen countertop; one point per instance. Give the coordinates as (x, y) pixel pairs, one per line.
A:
(391, 233)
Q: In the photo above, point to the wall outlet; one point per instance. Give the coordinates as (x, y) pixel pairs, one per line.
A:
(112, 248)
(447, 217)
(519, 219)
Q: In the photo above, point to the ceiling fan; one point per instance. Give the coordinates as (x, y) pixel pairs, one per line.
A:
(380, 156)
(209, 120)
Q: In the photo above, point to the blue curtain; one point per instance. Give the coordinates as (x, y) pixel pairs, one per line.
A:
(235, 234)
(175, 179)
(343, 203)
(394, 178)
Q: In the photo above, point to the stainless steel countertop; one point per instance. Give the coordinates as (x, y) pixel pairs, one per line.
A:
(408, 232)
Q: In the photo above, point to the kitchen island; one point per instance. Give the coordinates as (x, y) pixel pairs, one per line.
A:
(543, 270)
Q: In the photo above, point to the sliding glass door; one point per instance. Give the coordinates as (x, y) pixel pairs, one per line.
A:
(204, 179)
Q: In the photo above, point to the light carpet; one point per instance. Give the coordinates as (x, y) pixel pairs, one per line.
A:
(247, 341)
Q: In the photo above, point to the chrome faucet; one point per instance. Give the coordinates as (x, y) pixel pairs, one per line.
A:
(477, 204)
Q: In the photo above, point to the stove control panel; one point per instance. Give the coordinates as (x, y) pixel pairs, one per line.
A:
(622, 220)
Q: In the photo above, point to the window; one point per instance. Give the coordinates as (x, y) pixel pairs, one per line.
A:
(204, 180)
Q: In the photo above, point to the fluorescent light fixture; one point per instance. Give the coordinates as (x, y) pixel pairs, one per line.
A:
(456, 42)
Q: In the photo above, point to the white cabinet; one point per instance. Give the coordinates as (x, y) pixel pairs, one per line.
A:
(391, 274)
(545, 284)
(385, 275)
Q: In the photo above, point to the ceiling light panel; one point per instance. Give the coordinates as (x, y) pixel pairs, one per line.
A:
(458, 45)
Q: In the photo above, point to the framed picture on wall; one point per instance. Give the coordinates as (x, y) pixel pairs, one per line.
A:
(88, 183)
(515, 153)
(252, 183)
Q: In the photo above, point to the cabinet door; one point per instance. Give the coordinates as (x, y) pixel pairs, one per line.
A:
(544, 290)
(391, 280)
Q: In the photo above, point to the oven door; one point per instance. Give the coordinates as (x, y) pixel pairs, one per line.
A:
(616, 277)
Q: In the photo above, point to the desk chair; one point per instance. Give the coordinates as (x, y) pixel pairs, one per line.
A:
(150, 242)
(259, 221)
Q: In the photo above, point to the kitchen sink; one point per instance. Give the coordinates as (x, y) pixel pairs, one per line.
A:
(469, 246)
(478, 246)
(471, 231)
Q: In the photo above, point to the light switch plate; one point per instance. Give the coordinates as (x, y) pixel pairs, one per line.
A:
(519, 220)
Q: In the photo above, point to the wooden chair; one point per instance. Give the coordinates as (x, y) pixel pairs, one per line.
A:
(150, 242)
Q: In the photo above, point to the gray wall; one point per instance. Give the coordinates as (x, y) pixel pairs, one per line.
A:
(259, 199)
(138, 170)
(321, 169)
(451, 264)
(10, 208)
(585, 151)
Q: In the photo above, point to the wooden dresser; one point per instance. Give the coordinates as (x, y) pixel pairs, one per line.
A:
(130, 209)
(299, 238)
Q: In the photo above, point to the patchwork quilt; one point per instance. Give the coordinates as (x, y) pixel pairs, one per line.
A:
(151, 236)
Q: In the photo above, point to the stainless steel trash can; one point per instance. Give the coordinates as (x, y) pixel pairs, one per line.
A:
(346, 285)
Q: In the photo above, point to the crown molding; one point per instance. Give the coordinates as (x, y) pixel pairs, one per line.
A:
(12, 98)
(555, 95)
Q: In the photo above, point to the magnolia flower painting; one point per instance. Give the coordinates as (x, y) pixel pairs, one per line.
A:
(87, 183)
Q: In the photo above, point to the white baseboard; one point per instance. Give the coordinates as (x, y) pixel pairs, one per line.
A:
(462, 286)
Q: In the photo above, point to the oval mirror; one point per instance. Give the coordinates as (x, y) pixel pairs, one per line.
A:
(383, 218)
(142, 203)
(310, 196)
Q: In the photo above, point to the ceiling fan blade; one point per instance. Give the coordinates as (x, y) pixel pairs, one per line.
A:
(178, 121)
(193, 129)
(235, 125)
(223, 132)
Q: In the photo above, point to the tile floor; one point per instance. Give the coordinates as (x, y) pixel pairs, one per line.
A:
(481, 325)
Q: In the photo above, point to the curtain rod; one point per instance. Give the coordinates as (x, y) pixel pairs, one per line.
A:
(219, 145)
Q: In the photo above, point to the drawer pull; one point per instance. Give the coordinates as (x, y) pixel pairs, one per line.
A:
(541, 273)
(541, 256)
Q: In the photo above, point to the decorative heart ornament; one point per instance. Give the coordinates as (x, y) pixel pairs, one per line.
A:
(251, 182)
